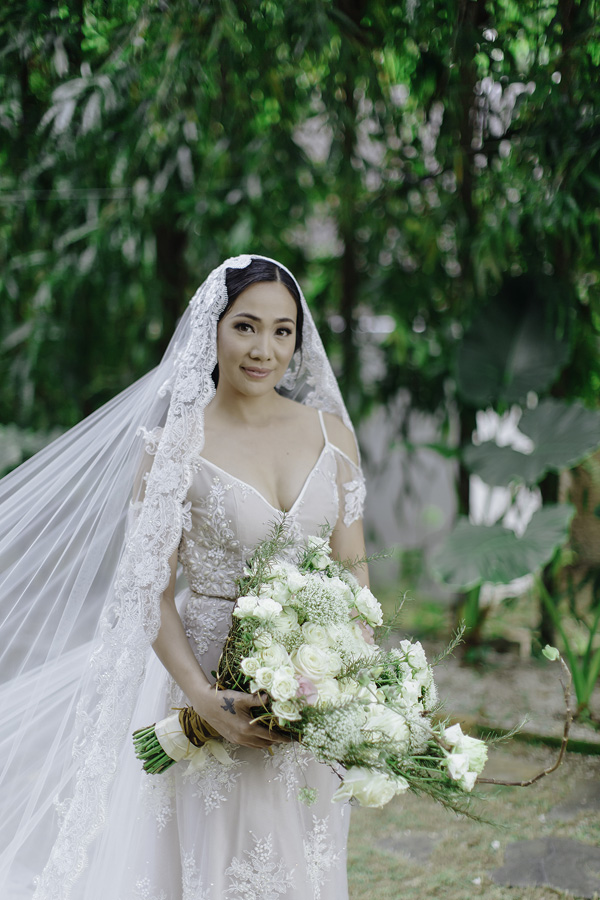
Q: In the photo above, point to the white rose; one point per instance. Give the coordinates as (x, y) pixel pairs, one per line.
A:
(285, 623)
(267, 609)
(295, 580)
(474, 749)
(316, 635)
(273, 656)
(410, 691)
(321, 555)
(329, 690)
(349, 579)
(263, 679)
(388, 723)
(467, 782)
(458, 765)
(250, 666)
(262, 639)
(368, 606)
(285, 685)
(245, 606)
(372, 789)
(454, 735)
(286, 710)
(276, 590)
(348, 687)
(314, 662)
(341, 588)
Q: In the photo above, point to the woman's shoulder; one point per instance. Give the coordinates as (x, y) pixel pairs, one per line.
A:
(340, 436)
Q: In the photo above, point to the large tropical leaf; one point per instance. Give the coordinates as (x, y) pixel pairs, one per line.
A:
(563, 434)
(513, 347)
(473, 554)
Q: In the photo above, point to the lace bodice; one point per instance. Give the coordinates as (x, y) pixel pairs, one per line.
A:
(226, 517)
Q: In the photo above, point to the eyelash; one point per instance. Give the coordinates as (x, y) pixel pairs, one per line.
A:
(241, 326)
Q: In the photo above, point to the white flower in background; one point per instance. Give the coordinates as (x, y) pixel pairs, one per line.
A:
(288, 710)
(285, 684)
(372, 789)
(368, 606)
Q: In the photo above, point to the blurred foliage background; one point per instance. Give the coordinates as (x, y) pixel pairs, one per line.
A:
(430, 170)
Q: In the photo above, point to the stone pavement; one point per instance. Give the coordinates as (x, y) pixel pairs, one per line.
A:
(556, 862)
(553, 862)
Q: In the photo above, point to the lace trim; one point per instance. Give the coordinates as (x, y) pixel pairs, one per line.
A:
(259, 875)
(214, 781)
(319, 854)
(354, 499)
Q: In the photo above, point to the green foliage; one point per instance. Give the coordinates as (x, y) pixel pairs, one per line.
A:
(407, 160)
(515, 345)
(474, 554)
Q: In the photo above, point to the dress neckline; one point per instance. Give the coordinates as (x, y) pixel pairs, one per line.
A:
(260, 494)
(246, 484)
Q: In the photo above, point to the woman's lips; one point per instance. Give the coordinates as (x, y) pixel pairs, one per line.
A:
(256, 373)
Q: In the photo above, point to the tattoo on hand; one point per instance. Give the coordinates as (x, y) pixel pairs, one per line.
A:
(228, 705)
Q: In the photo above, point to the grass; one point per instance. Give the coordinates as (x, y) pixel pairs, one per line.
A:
(466, 851)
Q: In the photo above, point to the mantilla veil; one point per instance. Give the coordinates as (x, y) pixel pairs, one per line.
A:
(85, 539)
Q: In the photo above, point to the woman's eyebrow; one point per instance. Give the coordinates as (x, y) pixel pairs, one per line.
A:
(258, 319)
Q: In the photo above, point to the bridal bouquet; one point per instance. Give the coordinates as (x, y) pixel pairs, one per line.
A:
(303, 634)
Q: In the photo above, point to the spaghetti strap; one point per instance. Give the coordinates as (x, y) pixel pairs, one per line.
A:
(322, 421)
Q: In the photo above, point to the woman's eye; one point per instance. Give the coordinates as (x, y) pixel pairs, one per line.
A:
(244, 327)
(284, 331)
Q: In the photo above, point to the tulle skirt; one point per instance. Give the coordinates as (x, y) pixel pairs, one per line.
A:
(237, 831)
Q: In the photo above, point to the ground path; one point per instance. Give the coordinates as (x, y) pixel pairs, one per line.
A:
(545, 839)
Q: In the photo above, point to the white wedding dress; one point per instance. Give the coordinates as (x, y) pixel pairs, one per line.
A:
(235, 832)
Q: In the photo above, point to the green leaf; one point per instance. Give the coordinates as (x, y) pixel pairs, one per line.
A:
(473, 554)
(563, 435)
(512, 348)
(550, 653)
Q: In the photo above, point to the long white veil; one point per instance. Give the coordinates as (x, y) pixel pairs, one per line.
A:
(84, 549)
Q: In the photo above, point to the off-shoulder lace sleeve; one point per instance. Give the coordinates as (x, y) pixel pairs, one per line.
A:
(351, 488)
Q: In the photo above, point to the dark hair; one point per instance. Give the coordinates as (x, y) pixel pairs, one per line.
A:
(237, 280)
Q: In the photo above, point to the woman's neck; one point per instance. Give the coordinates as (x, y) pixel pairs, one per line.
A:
(243, 409)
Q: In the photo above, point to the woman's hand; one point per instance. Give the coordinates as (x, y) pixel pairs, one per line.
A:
(229, 713)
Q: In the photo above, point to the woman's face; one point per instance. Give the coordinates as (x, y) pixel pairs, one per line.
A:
(256, 339)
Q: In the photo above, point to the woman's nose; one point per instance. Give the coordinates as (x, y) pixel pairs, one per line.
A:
(261, 348)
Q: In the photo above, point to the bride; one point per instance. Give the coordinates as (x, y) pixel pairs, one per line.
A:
(242, 423)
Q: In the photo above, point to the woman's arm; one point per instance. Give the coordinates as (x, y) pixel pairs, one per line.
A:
(347, 541)
(348, 545)
(227, 711)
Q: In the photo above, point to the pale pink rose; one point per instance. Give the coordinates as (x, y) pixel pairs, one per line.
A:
(307, 690)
